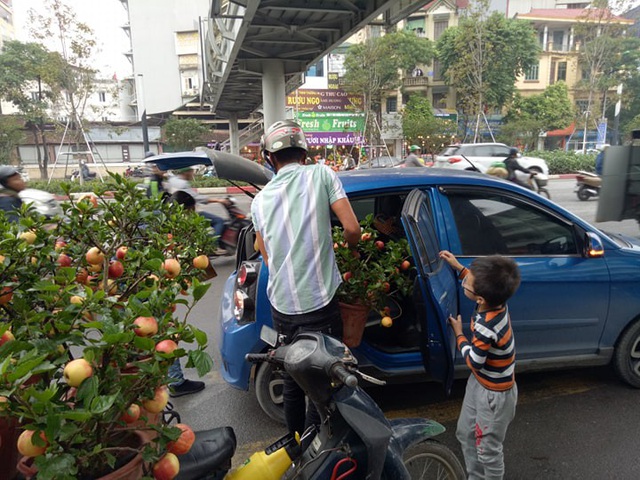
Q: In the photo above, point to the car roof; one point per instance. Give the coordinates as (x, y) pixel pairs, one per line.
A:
(381, 179)
(476, 144)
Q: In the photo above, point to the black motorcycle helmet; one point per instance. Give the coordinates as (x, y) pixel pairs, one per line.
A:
(281, 135)
(513, 152)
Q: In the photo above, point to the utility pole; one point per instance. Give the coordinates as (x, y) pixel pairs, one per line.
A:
(615, 140)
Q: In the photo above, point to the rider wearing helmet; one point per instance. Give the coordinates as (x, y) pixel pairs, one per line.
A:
(11, 184)
(512, 165)
(292, 220)
(412, 159)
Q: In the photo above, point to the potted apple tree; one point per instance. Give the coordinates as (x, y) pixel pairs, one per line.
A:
(378, 271)
(88, 331)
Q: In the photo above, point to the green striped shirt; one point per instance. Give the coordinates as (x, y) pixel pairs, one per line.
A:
(293, 215)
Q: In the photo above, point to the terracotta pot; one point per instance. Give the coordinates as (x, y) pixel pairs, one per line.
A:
(132, 470)
(354, 319)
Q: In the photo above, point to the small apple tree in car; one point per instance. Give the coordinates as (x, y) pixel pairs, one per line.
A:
(88, 330)
(379, 270)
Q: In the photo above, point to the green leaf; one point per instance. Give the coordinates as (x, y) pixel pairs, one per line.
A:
(154, 264)
(61, 466)
(201, 337)
(144, 343)
(200, 290)
(103, 403)
(201, 360)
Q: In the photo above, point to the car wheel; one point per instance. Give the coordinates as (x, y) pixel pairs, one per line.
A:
(583, 193)
(269, 387)
(627, 355)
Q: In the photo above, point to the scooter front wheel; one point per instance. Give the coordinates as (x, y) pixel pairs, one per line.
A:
(432, 460)
(583, 193)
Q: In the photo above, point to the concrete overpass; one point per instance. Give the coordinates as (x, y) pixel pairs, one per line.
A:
(256, 51)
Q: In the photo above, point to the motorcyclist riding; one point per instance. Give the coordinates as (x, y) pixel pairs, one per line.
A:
(512, 165)
(11, 183)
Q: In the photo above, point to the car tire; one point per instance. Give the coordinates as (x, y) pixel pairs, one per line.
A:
(627, 355)
(269, 384)
(431, 459)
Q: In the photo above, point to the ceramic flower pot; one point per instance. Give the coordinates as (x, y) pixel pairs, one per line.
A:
(354, 319)
(132, 469)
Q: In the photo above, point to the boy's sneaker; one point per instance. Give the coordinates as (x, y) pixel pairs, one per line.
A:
(186, 388)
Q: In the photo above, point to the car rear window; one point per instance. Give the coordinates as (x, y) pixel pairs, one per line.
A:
(447, 152)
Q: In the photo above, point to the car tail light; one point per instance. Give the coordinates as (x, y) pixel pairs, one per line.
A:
(245, 292)
(246, 275)
(453, 160)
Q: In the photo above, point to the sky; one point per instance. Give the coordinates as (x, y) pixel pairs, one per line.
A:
(105, 17)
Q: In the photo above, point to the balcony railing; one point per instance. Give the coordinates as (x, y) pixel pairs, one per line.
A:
(415, 81)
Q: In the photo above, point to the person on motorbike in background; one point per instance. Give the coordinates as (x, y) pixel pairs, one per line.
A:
(182, 181)
(412, 159)
(292, 220)
(11, 184)
(512, 165)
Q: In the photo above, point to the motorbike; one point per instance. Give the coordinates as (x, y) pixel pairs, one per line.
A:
(236, 221)
(538, 182)
(587, 185)
(86, 175)
(355, 440)
(136, 172)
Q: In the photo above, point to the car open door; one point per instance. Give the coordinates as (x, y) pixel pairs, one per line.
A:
(437, 284)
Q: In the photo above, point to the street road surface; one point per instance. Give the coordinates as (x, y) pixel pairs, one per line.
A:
(579, 424)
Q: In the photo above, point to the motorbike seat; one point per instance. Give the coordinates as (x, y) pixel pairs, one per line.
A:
(212, 451)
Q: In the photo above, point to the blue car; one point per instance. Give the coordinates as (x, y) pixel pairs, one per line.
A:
(578, 304)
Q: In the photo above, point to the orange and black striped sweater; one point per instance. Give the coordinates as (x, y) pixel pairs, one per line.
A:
(491, 354)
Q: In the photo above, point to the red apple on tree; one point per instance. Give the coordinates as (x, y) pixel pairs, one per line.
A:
(379, 244)
(77, 371)
(405, 265)
(60, 244)
(145, 326)
(158, 402)
(7, 336)
(6, 295)
(201, 262)
(131, 414)
(346, 276)
(365, 237)
(166, 346)
(64, 260)
(184, 442)
(82, 276)
(115, 269)
(28, 236)
(26, 446)
(167, 468)
(94, 256)
(122, 252)
(172, 267)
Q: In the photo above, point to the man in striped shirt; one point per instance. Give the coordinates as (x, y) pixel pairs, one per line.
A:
(491, 395)
(292, 219)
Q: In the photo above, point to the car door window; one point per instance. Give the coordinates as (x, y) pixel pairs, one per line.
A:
(491, 223)
(500, 151)
(482, 151)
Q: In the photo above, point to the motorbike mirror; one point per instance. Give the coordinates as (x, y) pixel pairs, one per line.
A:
(269, 336)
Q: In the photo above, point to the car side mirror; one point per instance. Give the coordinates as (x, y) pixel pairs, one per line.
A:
(593, 246)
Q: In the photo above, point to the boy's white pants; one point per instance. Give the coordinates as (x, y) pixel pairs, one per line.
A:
(482, 427)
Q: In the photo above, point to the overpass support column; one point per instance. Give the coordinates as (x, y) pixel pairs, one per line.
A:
(234, 135)
(273, 92)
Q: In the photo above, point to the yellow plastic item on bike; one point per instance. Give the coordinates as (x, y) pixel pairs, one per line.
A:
(269, 464)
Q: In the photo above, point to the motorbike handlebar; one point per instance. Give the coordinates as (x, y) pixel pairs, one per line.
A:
(343, 375)
(257, 357)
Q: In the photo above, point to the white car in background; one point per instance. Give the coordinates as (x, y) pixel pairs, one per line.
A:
(466, 156)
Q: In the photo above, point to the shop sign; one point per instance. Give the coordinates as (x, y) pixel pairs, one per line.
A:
(331, 122)
(326, 100)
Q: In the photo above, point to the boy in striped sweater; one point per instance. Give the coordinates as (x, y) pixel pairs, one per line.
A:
(491, 395)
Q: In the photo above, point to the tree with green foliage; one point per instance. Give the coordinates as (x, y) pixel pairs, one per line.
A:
(374, 67)
(607, 56)
(421, 127)
(530, 116)
(183, 133)
(23, 68)
(483, 56)
(11, 135)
